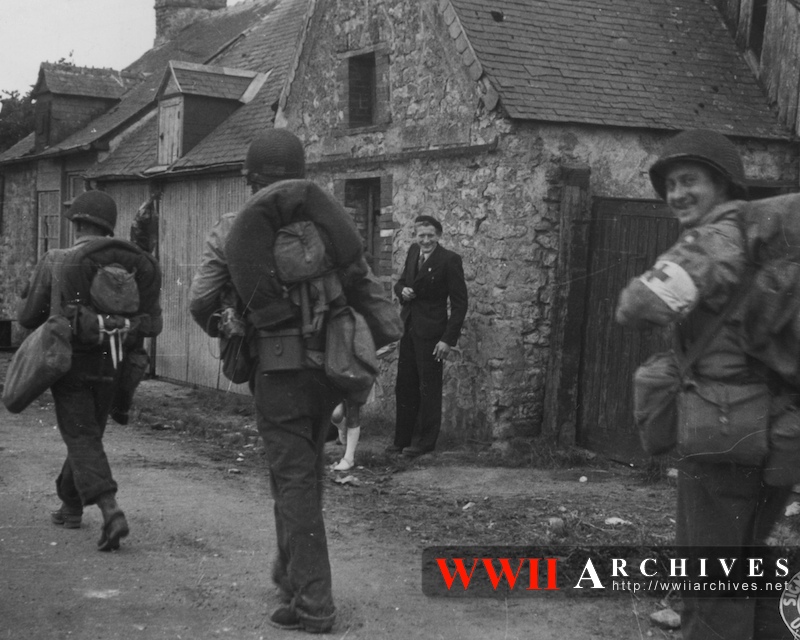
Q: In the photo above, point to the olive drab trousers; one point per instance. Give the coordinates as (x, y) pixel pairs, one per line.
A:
(293, 411)
(82, 401)
(723, 505)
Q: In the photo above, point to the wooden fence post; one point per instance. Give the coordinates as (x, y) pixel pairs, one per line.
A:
(561, 390)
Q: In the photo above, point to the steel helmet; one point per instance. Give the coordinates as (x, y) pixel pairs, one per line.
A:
(96, 207)
(276, 154)
(706, 147)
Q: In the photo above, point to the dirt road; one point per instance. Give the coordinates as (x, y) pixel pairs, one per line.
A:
(196, 562)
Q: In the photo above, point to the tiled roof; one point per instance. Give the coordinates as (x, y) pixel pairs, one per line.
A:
(70, 80)
(657, 64)
(198, 42)
(269, 46)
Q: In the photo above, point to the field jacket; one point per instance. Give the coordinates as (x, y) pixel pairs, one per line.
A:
(689, 285)
(211, 288)
(72, 272)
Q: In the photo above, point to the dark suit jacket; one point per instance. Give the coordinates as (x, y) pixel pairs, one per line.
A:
(441, 277)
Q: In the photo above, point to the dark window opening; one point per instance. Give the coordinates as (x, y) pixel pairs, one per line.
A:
(42, 124)
(362, 86)
(363, 198)
(758, 24)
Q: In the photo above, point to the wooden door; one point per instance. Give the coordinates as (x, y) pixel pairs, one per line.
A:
(625, 238)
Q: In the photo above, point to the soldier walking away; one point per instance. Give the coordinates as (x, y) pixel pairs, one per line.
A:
(109, 289)
(285, 324)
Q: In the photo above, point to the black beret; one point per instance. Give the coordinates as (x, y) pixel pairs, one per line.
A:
(429, 220)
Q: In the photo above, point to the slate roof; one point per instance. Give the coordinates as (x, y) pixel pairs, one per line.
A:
(198, 42)
(70, 80)
(267, 46)
(211, 82)
(656, 64)
(138, 152)
(22, 148)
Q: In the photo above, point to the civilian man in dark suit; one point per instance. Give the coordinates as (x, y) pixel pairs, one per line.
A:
(431, 276)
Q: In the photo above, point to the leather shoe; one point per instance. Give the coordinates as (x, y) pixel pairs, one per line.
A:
(69, 517)
(285, 618)
(113, 531)
(393, 448)
(414, 452)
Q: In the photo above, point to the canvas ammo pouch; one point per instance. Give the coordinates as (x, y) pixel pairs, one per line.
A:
(282, 350)
(722, 422)
(656, 385)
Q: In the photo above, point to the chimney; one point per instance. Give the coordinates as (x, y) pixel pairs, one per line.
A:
(173, 15)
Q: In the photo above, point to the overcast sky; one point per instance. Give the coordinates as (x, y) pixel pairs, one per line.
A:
(90, 33)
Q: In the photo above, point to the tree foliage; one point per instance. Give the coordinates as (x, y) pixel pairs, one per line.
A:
(16, 118)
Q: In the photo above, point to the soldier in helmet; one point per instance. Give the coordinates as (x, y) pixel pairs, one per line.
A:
(293, 396)
(700, 175)
(62, 284)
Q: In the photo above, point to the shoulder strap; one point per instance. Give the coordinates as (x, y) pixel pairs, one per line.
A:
(699, 345)
(59, 258)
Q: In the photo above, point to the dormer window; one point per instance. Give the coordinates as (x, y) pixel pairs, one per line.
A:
(67, 98)
(194, 100)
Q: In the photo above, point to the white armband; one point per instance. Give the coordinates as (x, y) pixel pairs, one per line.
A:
(673, 285)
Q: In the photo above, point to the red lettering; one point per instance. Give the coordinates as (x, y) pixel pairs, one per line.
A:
(505, 570)
(552, 575)
(461, 571)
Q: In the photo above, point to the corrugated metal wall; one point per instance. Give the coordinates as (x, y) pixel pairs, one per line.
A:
(187, 211)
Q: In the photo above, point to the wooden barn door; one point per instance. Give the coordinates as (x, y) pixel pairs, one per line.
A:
(625, 238)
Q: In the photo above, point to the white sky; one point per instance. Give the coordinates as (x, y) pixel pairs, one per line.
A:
(90, 33)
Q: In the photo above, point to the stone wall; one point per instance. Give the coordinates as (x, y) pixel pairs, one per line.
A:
(17, 239)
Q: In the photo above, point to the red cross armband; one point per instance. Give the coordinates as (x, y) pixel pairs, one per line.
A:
(672, 284)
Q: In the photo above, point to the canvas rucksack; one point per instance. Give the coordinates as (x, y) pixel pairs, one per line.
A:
(302, 264)
(114, 290)
(101, 284)
(299, 253)
(770, 317)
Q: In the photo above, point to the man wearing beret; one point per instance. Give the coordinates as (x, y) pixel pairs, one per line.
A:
(432, 275)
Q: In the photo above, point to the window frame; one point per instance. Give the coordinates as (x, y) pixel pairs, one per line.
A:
(381, 100)
(48, 221)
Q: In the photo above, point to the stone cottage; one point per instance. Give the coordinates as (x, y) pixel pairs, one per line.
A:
(526, 126)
